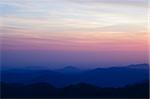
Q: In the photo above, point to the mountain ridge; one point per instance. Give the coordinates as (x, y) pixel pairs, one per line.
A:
(116, 76)
(80, 90)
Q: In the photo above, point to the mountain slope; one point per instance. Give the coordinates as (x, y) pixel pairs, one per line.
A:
(80, 90)
(106, 77)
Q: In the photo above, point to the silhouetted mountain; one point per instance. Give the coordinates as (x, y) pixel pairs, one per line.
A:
(115, 76)
(69, 70)
(37, 90)
(80, 90)
(140, 90)
(103, 77)
(139, 66)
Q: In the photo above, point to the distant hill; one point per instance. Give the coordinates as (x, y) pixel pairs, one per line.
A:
(141, 66)
(103, 77)
(69, 70)
(80, 90)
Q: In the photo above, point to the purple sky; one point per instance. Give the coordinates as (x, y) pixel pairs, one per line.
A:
(81, 33)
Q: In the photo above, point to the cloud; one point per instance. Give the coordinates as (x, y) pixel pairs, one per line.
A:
(140, 3)
(78, 20)
(41, 32)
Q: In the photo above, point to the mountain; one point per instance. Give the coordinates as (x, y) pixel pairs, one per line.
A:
(69, 69)
(102, 77)
(80, 90)
(35, 90)
(115, 76)
(140, 66)
(84, 90)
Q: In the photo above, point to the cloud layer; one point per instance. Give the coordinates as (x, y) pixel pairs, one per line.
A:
(76, 26)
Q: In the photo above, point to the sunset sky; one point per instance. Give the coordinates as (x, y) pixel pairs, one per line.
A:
(81, 33)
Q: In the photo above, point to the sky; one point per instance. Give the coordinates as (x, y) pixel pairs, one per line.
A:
(81, 33)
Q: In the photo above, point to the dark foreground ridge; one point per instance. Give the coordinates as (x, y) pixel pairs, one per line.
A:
(80, 90)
